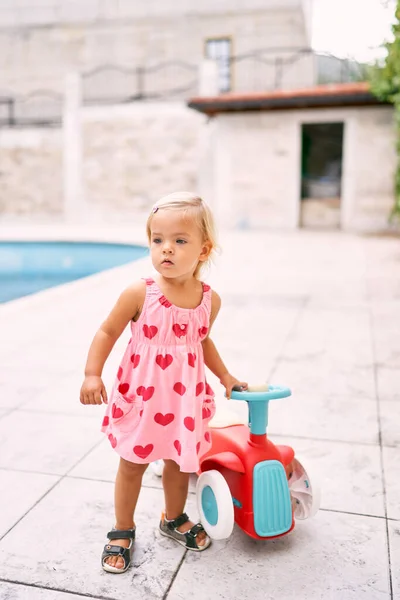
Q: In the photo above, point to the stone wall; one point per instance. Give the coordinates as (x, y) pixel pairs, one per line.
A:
(135, 154)
(132, 155)
(31, 172)
(40, 44)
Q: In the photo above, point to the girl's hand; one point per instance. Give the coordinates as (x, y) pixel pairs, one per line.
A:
(93, 391)
(228, 381)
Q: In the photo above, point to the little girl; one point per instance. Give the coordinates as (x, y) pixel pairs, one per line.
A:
(161, 403)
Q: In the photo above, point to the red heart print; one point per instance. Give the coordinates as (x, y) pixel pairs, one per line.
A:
(143, 451)
(191, 359)
(150, 331)
(203, 331)
(141, 412)
(119, 374)
(113, 440)
(206, 412)
(164, 419)
(207, 436)
(209, 391)
(123, 388)
(198, 447)
(116, 412)
(164, 361)
(106, 421)
(149, 281)
(189, 423)
(135, 360)
(206, 288)
(146, 393)
(179, 330)
(178, 447)
(199, 388)
(179, 388)
(162, 300)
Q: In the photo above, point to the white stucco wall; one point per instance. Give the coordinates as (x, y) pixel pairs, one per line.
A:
(372, 158)
(29, 13)
(251, 166)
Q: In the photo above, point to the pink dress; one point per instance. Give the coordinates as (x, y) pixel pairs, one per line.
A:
(161, 404)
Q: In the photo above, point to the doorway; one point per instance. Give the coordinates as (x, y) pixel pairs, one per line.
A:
(321, 174)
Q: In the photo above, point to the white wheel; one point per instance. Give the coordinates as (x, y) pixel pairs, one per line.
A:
(306, 493)
(157, 467)
(215, 505)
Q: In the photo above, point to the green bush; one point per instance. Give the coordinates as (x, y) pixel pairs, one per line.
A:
(385, 85)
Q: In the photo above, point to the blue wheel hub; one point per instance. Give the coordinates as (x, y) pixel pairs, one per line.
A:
(209, 505)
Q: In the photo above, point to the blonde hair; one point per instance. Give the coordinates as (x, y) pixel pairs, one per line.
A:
(195, 208)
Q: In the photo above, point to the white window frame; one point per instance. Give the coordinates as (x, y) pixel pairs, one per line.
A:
(219, 49)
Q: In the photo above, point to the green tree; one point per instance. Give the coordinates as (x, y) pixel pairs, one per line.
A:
(385, 84)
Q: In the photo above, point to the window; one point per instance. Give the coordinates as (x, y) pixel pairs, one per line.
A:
(219, 49)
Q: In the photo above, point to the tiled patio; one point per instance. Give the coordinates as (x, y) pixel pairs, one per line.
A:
(319, 312)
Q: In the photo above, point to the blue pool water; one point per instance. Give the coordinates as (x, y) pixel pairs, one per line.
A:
(27, 267)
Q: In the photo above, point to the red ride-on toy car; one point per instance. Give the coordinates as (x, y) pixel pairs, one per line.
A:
(245, 478)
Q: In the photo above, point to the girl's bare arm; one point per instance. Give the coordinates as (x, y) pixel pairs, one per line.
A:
(212, 358)
(126, 308)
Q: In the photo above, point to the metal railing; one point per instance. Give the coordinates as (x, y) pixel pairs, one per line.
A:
(39, 108)
(284, 68)
(260, 70)
(116, 84)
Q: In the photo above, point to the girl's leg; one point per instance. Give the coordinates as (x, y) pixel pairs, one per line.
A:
(176, 485)
(127, 487)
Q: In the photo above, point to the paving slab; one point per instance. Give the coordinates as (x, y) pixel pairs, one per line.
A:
(331, 417)
(60, 396)
(12, 591)
(323, 377)
(388, 382)
(349, 475)
(394, 537)
(387, 350)
(5, 411)
(390, 420)
(65, 554)
(44, 442)
(328, 353)
(332, 556)
(22, 491)
(391, 464)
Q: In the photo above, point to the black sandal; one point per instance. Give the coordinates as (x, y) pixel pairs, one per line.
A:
(111, 550)
(187, 538)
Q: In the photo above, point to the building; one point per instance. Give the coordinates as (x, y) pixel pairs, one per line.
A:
(261, 144)
(322, 156)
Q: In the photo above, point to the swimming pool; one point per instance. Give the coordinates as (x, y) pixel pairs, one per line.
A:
(27, 267)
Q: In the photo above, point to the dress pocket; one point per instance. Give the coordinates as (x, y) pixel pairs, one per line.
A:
(209, 408)
(125, 412)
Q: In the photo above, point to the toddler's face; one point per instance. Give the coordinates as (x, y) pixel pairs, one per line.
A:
(176, 244)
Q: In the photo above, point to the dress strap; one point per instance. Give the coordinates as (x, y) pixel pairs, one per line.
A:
(152, 288)
(207, 295)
